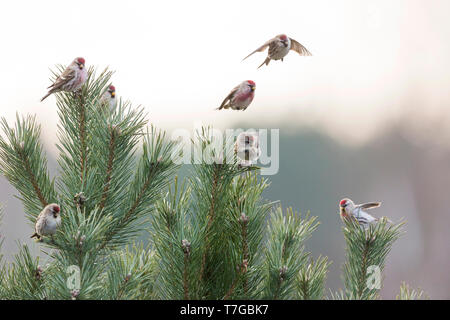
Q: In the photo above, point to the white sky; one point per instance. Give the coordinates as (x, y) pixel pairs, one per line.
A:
(181, 58)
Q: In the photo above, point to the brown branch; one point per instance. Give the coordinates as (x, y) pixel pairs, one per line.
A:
(361, 284)
(109, 167)
(242, 270)
(211, 219)
(185, 277)
(138, 199)
(304, 287)
(186, 246)
(133, 207)
(244, 223)
(281, 278)
(32, 177)
(83, 150)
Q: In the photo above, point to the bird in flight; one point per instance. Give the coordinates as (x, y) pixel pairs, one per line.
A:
(279, 47)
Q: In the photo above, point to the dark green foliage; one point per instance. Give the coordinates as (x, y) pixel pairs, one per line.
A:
(366, 248)
(213, 236)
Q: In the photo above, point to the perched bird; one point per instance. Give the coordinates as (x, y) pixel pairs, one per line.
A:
(240, 97)
(247, 148)
(349, 209)
(279, 47)
(72, 78)
(47, 222)
(108, 99)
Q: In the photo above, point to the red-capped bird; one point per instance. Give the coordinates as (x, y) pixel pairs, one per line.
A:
(240, 97)
(72, 78)
(279, 47)
(47, 221)
(108, 99)
(348, 209)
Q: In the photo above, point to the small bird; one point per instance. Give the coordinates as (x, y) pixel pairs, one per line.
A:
(279, 47)
(47, 222)
(247, 148)
(72, 78)
(108, 99)
(240, 97)
(349, 209)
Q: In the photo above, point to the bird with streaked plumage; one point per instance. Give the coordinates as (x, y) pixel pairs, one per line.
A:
(47, 222)
(279, 47)
(240, 97)
(348, 209)
(72, 78)
(108, 100)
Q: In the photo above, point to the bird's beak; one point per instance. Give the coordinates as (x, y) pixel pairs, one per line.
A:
(113, 94)
(253, 88)
(81, 66)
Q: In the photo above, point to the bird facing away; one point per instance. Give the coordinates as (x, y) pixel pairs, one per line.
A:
(47, 222)
(108, 99)
(240, 97)
(72, 78)
(279, 47)
(246, 148)
(348, 209)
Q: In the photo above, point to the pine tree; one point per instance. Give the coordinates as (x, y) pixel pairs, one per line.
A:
(211, 236)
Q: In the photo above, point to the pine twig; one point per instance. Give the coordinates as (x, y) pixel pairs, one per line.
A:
(32, 177)
(112, 145)
(210, 217)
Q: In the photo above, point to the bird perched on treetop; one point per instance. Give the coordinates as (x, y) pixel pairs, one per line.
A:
(72, 78)
(279, 47)
(109, 99)
(348, 209)
(240, 97)
(47, 221)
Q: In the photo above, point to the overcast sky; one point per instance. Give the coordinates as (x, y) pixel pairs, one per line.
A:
(181, 58)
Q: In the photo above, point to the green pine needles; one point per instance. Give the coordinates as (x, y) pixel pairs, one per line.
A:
(211, 236)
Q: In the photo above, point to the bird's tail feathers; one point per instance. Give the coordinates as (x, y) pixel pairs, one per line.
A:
(266, 62)
(45, 97)
(223, 106)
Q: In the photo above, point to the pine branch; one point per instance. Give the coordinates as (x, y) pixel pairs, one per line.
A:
(285, 254)
(311, 279)
(154, 169)
(115, 142)
(112, 147)
(406, 293)
(23, 164)
(80, 132)
(130, 275)
(215, 182)
(176, 245)
(367, 248)
(24, 278)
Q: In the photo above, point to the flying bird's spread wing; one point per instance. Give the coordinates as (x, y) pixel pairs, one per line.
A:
(299, 48)
(369, 205)
(260, 49)
(227, 99)
(65, 77)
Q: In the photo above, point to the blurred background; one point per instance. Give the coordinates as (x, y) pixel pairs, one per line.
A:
(366, 117)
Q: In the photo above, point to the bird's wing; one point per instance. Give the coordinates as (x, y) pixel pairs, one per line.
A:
(232, 93)
(65, 77)
(261, 49)
(369, 205)
(299, 48)
(41, 222)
